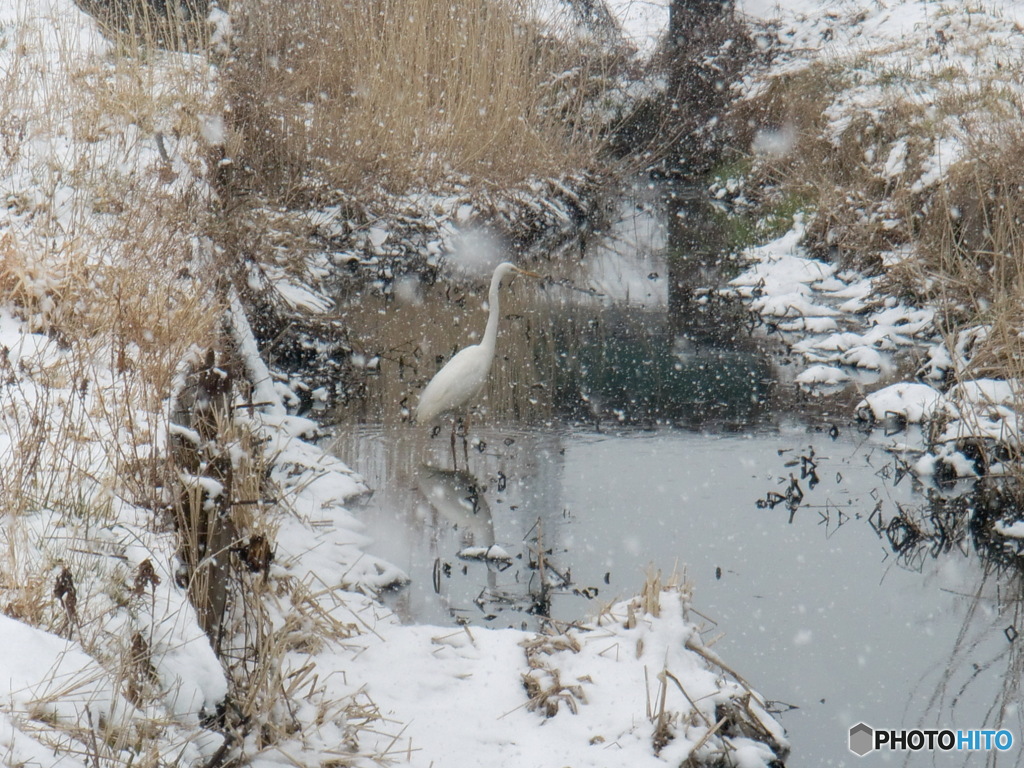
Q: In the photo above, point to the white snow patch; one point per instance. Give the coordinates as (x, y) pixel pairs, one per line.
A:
(1010, 530)
(911, 401)
(946, 152)
(896, 162)
(457, 685)
(827, 375)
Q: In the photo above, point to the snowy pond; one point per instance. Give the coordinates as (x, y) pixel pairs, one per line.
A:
(630, 430)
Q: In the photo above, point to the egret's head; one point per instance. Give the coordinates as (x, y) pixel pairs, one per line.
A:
(508, 268)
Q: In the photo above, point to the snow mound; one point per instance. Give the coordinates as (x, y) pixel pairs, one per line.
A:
(469, 691)
(822, 375)
(910, 402)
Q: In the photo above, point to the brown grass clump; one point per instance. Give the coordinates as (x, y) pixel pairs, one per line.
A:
(971, 245)
(386, 94)
(972, 231)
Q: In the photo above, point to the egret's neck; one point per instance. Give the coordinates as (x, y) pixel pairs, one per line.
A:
(491, 331)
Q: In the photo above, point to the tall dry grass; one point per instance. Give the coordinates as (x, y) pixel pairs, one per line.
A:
(105, 289)
(971, 246)
(388, 94)
(99, 257)
(115, 285)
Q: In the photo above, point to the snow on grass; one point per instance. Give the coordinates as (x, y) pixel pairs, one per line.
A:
(319, 535)
(1011, 530)
(104, 655)
(590, 697)
(986, 392)
(906, 87)
(48, 677)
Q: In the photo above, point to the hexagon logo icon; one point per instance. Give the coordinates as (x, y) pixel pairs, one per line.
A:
(861, 739)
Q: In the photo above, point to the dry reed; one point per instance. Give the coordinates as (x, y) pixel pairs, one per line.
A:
(389, 95)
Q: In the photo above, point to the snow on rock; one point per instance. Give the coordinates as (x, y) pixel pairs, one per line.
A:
(862, 357)
(945, 464)
(901, 321)
(778, 285)
(980, 425)
(822, 375)
(909, 401)
(815, 325)
(778, 268)
(822, 312)
(794, 304)
(938, 363)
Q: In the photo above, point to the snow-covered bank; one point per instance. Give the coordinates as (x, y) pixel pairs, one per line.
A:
(636, 688)
(879, 122)
(845, 331)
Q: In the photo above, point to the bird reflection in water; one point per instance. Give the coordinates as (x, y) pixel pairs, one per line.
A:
(458, 498)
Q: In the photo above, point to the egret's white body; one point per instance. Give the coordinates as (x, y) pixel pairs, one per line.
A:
(454, 388)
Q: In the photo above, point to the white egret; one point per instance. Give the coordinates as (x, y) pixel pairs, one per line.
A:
(454, 388)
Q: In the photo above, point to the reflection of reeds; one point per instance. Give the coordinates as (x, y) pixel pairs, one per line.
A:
(1010, 696)
(958, 527)
(992, 616)
(957, 522)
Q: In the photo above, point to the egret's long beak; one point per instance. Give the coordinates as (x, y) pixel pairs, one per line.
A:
(524, 272)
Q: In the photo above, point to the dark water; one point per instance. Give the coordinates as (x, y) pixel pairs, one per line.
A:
(633, 425)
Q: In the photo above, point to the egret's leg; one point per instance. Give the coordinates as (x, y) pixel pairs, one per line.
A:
(455, 461)
(465, 440)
